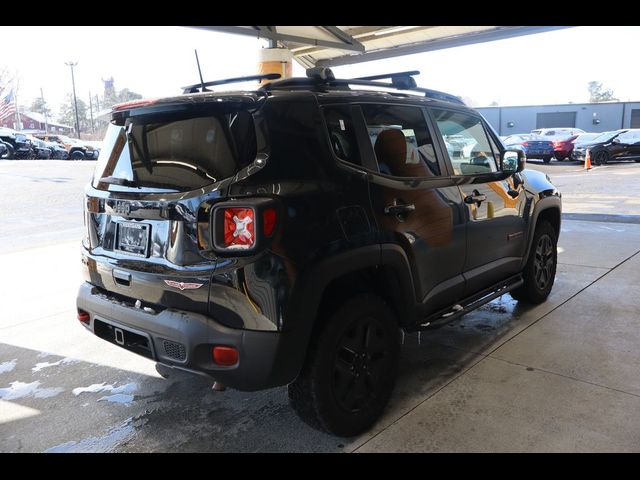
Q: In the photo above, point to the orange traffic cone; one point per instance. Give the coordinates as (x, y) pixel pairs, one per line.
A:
(587, 160)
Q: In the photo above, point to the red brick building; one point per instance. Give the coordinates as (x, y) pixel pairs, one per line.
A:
(35, 123)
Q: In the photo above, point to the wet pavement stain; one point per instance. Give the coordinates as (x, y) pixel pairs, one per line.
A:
(106, 443)
(19, 389)
(8, 366)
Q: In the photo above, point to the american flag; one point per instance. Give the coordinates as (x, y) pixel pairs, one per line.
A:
(8, 105)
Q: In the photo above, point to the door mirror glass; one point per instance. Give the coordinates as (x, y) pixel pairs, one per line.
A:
(513, 161)
(616, 140)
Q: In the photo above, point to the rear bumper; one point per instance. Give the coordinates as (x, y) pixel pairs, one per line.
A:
(540, 154)
(185, 340)
(563, 152)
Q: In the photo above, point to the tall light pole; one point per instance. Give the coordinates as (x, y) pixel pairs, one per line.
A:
(93, 130)
(75, 102)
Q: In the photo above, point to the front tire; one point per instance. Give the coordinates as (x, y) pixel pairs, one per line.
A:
(546, 159)
(540, 271)
(601, 158)
(350, 370)
(10, 153)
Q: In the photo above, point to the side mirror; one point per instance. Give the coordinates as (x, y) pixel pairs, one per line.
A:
(616, 140)
(513, 161)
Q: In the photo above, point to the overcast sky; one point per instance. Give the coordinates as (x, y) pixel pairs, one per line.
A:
(552, 67)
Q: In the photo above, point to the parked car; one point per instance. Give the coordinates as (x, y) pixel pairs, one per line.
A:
(18, 145)
(623, 144)
(533, 146)
(557, 132)
(58, 151)
(39, 149)
(287, 235)
(77, 149)
(23, 147)
(563, 146)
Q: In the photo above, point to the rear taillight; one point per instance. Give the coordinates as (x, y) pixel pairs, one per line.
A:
(243, 227)
(268, 221)
(239, 228)
(225, 356)
(525, 144)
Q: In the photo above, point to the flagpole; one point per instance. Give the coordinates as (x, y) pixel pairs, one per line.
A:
(46, 117)
(18, 125)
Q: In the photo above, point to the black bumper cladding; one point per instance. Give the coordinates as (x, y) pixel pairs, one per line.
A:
(183, 340)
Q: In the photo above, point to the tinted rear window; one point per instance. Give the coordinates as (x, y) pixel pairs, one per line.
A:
(176, 155)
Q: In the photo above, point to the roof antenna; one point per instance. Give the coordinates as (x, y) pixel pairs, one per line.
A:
(199, 71)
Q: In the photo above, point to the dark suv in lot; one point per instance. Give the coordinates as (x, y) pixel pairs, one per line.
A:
(286, 236)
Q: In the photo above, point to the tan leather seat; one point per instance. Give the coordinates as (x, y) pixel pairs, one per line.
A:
(391, 152)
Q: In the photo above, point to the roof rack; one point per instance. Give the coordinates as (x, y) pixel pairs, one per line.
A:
(323, 77)
(194, 88)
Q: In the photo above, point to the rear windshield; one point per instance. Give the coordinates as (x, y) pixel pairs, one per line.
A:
(175, 155)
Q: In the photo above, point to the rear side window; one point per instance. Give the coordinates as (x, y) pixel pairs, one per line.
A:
(178, 155)
(341, 133)
(401, 141)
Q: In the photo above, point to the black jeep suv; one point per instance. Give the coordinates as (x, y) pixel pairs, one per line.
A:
(287, 235)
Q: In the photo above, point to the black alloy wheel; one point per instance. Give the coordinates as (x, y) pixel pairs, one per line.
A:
(350, 370)
(540, 270)
(543, 264)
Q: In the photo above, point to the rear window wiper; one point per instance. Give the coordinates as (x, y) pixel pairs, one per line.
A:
(132, 139)
(119, 181)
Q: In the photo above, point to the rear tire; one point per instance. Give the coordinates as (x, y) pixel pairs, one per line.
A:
(546, 159)
(350, 370)
(540, 271)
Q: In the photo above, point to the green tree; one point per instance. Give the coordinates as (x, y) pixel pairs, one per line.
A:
(126, 95)
(597, 93)
(110, 98)
(68, 114)
(40, 106)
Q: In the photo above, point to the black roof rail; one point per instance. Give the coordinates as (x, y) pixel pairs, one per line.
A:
(322, 77)
(390, 75)
(194, 88)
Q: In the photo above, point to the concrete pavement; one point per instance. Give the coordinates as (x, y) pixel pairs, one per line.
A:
(557, 377)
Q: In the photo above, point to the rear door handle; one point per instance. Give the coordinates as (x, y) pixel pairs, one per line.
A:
(399, 209)
(475, 197)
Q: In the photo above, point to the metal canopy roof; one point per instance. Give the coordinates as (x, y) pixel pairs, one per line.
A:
(331, 46)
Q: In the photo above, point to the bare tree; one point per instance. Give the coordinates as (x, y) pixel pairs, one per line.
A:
(6, 79)
(597, 93)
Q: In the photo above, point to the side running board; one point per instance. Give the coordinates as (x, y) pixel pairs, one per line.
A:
(448, 314)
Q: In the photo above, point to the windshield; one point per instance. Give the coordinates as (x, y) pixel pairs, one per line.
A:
(175, 155)
(605, 137)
